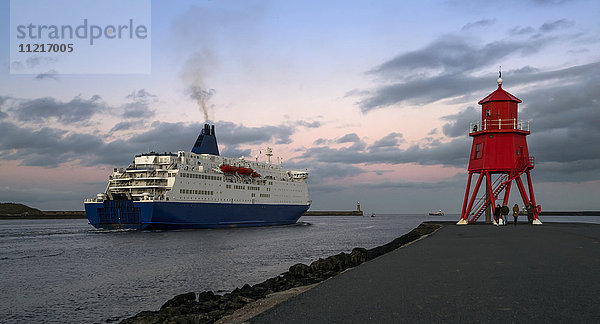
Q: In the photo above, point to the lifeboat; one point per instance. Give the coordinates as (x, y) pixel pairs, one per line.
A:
(226, 168)
(255, 174)
(244, 171)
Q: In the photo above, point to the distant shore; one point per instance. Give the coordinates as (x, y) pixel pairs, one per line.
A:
(334, 213)
(77, 214)
(80, 214)
(570, 213)
(47, 215)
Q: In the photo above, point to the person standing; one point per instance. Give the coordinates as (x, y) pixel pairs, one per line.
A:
(530, 213)
(497, 214)
(516, 213)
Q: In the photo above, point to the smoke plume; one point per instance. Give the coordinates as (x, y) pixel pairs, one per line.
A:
(210, 32)
(195, 71)
(202, 97)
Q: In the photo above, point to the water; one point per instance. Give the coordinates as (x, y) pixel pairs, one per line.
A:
(64, 271)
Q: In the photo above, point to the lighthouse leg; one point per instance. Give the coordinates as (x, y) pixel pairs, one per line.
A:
(464, 221)
(490, 191)
(522, 190)
(536, 218)
(507, 193)
(464, 207)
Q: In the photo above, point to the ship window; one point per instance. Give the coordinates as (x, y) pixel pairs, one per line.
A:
(518, 152)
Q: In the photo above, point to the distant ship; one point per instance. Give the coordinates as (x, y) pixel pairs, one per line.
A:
(437, 213)
(199, 189)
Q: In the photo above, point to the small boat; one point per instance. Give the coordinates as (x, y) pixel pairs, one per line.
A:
(372, 214)
(438, 213)
(245, 171)
(229, 168)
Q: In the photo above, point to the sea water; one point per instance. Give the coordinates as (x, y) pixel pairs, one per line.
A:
(64, 271)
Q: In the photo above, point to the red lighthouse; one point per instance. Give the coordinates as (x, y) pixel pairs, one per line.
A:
(500, 155)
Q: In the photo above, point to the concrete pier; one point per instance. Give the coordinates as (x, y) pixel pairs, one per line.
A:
(475, 273)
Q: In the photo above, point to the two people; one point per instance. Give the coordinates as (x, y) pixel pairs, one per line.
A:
(530, 211)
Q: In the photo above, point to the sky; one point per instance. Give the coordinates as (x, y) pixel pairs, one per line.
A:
(374, 98)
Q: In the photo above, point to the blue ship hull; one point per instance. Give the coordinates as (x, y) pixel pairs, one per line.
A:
(117, 214)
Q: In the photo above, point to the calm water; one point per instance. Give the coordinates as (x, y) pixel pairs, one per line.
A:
(63, 271)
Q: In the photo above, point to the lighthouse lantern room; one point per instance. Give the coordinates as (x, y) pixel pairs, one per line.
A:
(499, 155)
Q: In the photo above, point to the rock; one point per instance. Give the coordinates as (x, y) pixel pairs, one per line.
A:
(170, 311)
(191, 319)
(144, 318)
(187, 298)
(206, 296)
(358, 256)
(300, 270)
(317, 266)
(216, 313)
(260, 290)
(423, 229)
(241, 300)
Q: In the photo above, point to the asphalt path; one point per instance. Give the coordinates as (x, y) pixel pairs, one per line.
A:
(476, 273)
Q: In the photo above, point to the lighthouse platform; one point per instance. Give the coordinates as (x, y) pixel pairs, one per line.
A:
(542, 274)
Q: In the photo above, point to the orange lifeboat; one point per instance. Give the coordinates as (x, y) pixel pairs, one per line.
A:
(226, 168)
(244, 171)
(255, 174)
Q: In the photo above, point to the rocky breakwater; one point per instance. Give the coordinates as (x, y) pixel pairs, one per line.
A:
(207, 307)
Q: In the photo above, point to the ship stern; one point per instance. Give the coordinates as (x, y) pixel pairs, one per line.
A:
(118, 214)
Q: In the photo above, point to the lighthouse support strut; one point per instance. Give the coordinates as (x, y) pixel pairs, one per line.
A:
(488, 179)
(507, 193)
(535, 210)
(522, 190)
(464, 220)
(462, 213)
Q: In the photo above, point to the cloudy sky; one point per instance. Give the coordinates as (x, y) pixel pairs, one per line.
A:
(373, 97)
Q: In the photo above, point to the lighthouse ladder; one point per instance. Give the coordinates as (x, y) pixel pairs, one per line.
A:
(482, 204)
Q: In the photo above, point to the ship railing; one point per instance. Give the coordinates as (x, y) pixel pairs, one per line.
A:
(122, 179)
(138, 186)
(497, 124)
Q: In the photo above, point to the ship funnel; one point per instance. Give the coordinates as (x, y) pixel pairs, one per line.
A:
(207, 141)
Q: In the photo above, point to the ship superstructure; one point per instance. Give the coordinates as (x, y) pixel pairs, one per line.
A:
(199, 189)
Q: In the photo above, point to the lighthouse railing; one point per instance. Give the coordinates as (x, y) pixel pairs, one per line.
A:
(495, 124)
(526, 163)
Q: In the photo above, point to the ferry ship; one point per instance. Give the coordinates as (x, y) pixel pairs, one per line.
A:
(199, 189)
